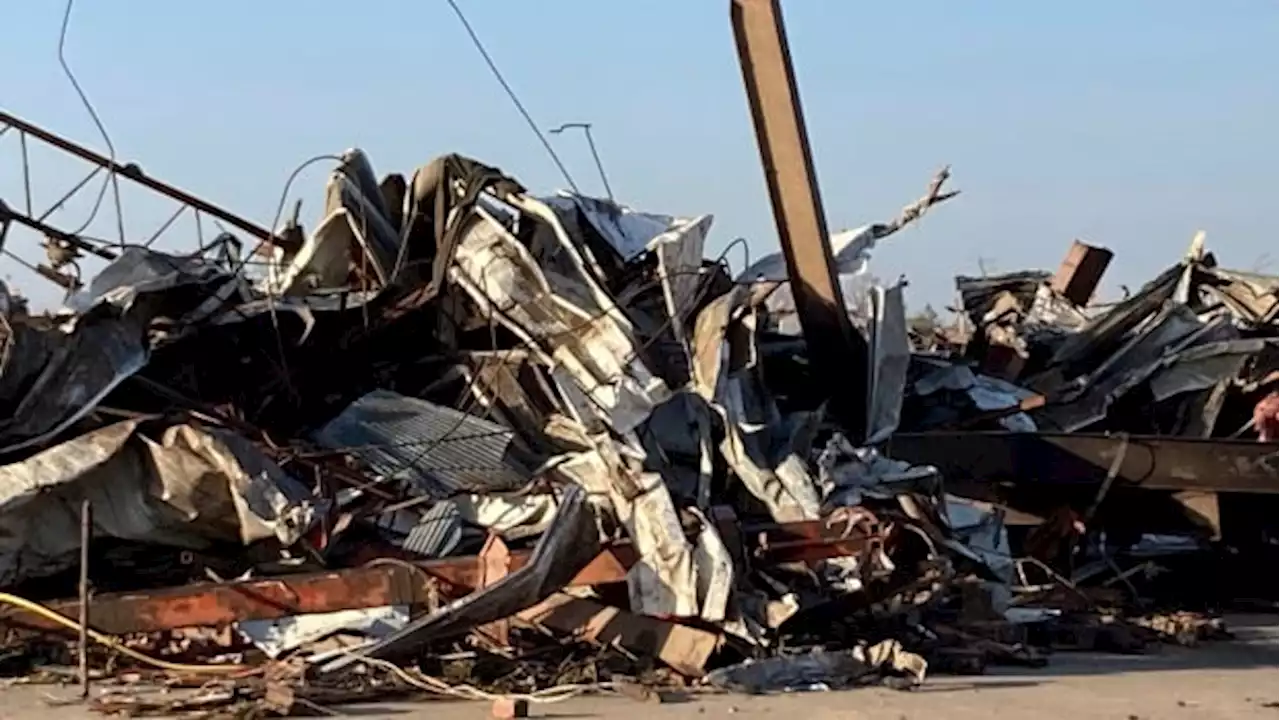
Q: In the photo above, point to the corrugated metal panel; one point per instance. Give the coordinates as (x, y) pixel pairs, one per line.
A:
(437, 533)
(433, 533)
(440, 451)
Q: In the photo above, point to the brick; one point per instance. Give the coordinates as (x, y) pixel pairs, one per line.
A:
(1081, 271)
(507, 708)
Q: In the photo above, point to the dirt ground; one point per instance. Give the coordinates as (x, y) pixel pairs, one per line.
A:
(1227, 680)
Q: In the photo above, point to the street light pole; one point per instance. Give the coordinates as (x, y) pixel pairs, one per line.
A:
(591, 143)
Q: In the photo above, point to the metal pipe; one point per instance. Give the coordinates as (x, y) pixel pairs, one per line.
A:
(7, 215)
(86, 532)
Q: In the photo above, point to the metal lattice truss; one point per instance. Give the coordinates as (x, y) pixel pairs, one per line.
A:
(63, 248)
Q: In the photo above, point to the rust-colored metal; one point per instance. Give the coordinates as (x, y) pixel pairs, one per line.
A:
(132, 172)
(224, 603)
(495, 564)
(834, 347)
(396, 582)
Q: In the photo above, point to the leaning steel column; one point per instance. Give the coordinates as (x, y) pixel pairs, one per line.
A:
(836, 350)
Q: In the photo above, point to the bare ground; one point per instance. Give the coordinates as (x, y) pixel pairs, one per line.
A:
(1228, 680)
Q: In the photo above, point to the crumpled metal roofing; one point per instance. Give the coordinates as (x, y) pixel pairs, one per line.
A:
(139, 271)
(189, 488)
(79, 369)
(440, 451)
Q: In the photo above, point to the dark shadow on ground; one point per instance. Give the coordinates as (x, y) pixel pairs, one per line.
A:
(1254, 646)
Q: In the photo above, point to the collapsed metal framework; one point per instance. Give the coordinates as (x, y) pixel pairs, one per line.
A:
(63, 247)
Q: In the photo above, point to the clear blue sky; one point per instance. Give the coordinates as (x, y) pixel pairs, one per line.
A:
(1128, 123)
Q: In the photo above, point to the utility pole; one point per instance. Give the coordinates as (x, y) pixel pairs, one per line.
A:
(838, 352)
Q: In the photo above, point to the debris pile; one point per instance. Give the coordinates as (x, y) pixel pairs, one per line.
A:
(1190, 354)
(1150, 419)
(463, 440)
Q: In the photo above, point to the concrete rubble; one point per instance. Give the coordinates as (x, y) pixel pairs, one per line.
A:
(461, 439)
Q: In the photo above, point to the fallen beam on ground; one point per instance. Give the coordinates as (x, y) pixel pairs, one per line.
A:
(396, 583)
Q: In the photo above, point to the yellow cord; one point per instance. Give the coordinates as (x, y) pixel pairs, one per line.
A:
(423, 682)
(37, 609)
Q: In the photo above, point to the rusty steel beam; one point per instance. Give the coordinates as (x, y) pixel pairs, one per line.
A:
(835, 348)
(395, 582)
(218, 604)
(374, 585)
(134, 173)
(7, 215)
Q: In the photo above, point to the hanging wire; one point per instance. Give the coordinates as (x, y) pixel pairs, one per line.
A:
(275, 222)
(111, 178)
(493, 67)
(284, 198)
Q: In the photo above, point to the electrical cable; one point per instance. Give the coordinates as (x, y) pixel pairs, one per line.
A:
(284, 198)
(106, 137)
(555, 694)
(275, 221)
(493, 67)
